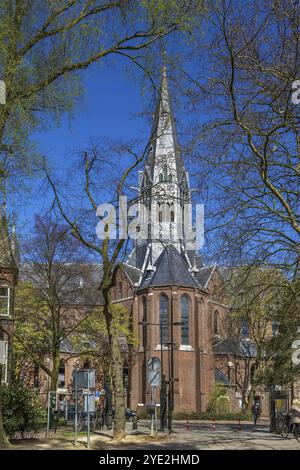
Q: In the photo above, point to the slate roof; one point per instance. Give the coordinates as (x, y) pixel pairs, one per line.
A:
(195, 259)
(137, 256)
(133, 273)
(244, 347)
(204, 274)
(220, 377)
(171, 269)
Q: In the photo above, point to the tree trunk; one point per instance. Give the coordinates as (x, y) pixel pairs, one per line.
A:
(54, 372)
(118, 388)
(4, 442)
(116, 361)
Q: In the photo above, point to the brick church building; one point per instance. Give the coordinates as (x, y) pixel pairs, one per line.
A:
(174, 302)
(171, 294)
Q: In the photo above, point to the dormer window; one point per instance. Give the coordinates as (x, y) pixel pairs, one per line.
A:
(4, 299)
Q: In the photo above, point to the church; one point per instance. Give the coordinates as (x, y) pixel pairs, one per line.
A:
(175, 302)
(169, 292)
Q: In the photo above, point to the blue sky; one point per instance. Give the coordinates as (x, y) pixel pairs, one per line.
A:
(109, 109)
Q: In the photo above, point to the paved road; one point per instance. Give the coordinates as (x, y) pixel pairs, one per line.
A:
(200, 436)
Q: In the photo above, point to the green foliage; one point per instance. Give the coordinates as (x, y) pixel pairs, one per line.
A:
(22, 409)
(44, 46)
(219, 402)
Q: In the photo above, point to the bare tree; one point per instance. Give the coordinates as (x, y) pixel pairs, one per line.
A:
(99, 177)
(249, 142)
(55, 296)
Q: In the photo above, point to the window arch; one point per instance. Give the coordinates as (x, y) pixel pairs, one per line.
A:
(165, 172)
(185, 320)
(164, 317)
(4, 298)
(245, 328)
(216, 323)
(145, 319)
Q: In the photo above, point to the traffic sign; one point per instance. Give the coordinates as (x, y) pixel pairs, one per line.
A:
(154, 372)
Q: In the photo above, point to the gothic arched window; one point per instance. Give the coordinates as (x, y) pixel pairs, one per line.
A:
(165, 172)
(216, 323)
(145, 319)
(185, 320)
(164, 317)
(245, 328)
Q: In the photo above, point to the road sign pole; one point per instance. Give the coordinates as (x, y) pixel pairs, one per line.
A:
(76, 410)
(152, 413)
(88, 412)
(155, 412)
(48, 415)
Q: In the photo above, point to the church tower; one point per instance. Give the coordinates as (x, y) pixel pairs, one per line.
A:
(164, 191)
(164, 284)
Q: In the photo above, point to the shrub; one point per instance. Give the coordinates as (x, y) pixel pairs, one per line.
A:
(22, 409)
(209, 415)
(219, 403)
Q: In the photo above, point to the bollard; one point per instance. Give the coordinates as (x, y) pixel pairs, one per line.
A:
(187, 427)
(240, 426)
(214, 425)
(134, 422)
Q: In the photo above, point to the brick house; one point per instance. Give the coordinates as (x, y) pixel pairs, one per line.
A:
(8, 281)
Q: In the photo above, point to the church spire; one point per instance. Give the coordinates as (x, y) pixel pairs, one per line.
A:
(163, 139)
(164, 185)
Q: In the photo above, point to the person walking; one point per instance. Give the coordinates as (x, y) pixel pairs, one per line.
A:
(294, 414)
(255, 411)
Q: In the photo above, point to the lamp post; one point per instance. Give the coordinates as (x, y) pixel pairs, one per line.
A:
(171, 363)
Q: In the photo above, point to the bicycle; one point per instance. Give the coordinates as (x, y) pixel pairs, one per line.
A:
(83, 422)
(286, 429)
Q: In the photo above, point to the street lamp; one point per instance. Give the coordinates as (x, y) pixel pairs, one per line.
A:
(170, 345)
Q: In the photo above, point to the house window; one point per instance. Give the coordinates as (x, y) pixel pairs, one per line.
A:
(120, 289)
(245, 329)
(61, 375)
(185, 320)
(172, 216)
(216, 323)
(3, 359)
(164, 317)
(144, 321)
(4, 299)
(160, 216)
